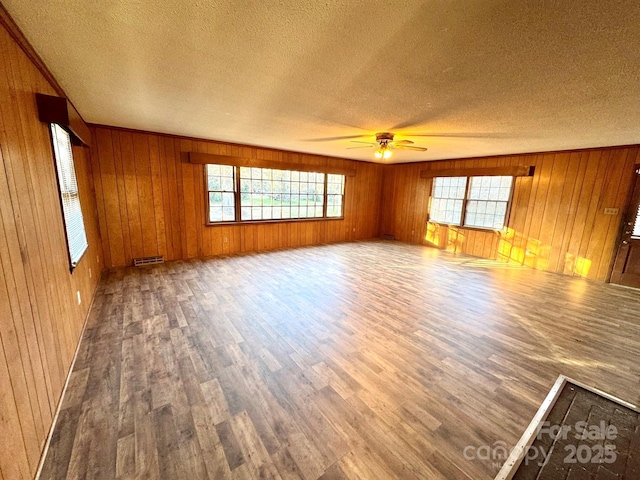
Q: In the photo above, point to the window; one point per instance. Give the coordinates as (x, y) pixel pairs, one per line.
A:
(335, 194)
(448, 199)
(268, 194)
(69, 197)
(487, 203)
(257, 194)
(479, 202)
(221, 187)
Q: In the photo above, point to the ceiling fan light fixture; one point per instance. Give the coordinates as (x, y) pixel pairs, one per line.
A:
(383, 152)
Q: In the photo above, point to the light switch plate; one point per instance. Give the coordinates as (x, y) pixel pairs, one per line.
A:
(611, 211)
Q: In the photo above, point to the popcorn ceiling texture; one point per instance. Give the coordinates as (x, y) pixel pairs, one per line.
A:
(491, 77)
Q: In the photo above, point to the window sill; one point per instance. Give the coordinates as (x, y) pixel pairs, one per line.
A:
(284, 220)
(480, 229)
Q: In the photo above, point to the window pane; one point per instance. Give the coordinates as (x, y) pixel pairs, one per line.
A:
(71, 209)
(214, 183)
(215, 214)
(215, 199)
(227, 184)
(228, 214)
(227, 199)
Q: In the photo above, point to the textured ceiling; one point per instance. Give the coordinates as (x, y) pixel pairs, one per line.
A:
(478, 77)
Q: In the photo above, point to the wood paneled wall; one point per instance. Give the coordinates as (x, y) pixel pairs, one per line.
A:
(557, 221)
(40, 319)
(151, 201)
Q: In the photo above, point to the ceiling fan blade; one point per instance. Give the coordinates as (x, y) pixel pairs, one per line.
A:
(411, 147)
(405, 142)
(457, 135)
(362, 146)
(368, 143)
(331, 139)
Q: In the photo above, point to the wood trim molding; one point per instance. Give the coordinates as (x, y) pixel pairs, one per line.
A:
(209, 158)
(10, 25)
(60, 110)
(515, 171)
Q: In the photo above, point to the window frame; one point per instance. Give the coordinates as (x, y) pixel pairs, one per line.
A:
(236, 186)
(465, 202)
(238, 207)
(60, 184)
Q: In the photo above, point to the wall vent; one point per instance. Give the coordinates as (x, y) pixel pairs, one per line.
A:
(386, 236)
(140, 262)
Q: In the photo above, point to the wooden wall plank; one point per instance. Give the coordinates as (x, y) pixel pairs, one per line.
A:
(100, 206)
(111, 226)
(122, 213)
(130, 181)
(157, 190)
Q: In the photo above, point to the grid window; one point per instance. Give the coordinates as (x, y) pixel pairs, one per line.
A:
(221, 187)
(448, 199)
(70, 199)
(241, 194)
(488, 202)
(479, 202)
(269, 194)
(335, 195)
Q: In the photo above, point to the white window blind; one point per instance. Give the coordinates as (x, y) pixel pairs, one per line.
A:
(636, 226)
(68, 185)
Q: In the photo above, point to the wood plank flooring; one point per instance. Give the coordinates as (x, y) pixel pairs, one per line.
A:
(359, 360)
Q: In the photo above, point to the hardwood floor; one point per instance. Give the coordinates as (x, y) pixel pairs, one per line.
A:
(358, 360)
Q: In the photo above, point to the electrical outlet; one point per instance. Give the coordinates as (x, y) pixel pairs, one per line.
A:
(79, 298)
(611, 211)
(226, 239)
(89, 273)
(354, 229)
(98, 259)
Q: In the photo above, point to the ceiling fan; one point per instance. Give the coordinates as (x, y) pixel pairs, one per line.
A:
(386, 143)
